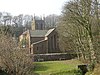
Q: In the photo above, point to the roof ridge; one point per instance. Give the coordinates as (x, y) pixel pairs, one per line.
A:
(49, 31)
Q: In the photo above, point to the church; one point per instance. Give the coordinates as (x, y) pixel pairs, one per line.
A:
(38, 40)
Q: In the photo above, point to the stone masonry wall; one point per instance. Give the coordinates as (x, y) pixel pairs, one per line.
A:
(53, 56)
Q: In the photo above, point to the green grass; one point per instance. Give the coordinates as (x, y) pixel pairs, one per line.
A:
(68, 67)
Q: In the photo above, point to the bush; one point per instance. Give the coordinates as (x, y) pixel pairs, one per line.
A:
(14, 60)
(91, 66)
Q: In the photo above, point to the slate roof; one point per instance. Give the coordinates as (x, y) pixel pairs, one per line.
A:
(38, 33)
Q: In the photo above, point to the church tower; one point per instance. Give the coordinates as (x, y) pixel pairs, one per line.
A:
(33, 25)
(38, 24)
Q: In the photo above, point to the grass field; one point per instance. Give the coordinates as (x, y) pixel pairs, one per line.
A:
(67, 67)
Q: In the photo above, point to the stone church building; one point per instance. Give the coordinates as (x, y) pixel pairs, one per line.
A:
(38, 40)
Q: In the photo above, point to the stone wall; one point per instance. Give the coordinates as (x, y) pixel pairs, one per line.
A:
(53, 56)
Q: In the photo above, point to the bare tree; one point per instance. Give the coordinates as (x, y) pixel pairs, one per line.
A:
(78, 23)
(28, 21)
(51, 21)
(13, 60)
(6, 18)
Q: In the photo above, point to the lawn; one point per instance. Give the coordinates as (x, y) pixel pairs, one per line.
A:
(67, 67)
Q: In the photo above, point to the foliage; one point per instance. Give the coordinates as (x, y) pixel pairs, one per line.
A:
(5, 30)
(96, 71)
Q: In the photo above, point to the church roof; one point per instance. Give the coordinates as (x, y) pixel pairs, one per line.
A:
(38, 33)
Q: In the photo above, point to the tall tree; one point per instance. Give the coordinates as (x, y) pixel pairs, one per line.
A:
(28, 21)
(6, 18)
(79, 21)
(51, 21)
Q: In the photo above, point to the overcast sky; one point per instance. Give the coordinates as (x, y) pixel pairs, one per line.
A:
(39, 7)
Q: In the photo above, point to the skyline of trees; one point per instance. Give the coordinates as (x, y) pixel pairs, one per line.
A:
(20, 23)
(25, 20)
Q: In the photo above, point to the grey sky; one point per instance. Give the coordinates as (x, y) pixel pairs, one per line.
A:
(39, 7)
